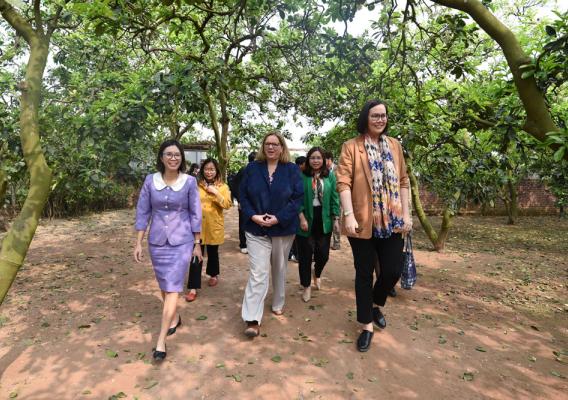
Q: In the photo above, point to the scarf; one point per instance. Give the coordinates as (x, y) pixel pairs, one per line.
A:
(386, 190)
(317, 188)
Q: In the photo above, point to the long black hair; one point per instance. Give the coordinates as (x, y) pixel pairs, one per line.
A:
(171, 142)
(324, 171)
(363, 120)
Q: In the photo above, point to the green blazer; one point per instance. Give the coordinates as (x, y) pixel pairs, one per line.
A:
(330, 203)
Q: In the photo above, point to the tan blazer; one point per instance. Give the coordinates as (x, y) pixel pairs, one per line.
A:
(353, 173)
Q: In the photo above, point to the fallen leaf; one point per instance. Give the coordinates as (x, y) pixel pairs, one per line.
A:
(220, 365)
(467, 376)
(13, 395)
(557, 374)
(111, 353)
(237, 378)
(119, 395)
(276, 358)
(85, 326)
(532, 358)
(150, 385)
(442, 339)
(481, 349)
(201, 318)
(349, 375)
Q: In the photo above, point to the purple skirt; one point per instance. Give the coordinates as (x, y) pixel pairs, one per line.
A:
(171, 264)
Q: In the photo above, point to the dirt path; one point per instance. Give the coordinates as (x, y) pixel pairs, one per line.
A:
(483, 323)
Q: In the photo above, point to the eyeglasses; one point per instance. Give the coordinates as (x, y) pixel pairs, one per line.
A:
(209, 170)
(316, 158)
(377, 117)
(275, 145)
(172, 156)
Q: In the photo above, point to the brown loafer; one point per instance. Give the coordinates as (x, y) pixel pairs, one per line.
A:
(190, 296)
(252, 330)
(213, 281)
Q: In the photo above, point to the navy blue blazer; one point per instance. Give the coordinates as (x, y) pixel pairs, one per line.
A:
(282, 198)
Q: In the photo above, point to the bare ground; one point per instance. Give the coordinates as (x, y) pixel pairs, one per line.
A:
(488, 319)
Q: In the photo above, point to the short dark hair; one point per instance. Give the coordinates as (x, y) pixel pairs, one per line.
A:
(328, 155)
(363, 120)
(201, 175)
(324, 171)
(171, 142)
(300, 160)
(251, 156)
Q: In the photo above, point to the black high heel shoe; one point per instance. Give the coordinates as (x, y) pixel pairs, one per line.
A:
(160, 355)
(171, 331)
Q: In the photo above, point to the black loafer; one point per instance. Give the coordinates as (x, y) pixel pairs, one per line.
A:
(171, 331)
(392, 292)
(159, 355)
(378, 318)
(364, 341)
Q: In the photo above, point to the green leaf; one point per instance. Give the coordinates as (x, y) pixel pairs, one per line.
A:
(276, 358)
(481, 349)
(237, 378)
(559, 154)
(467, 376)
(13, 395)
(220, 365)
(349, 375)
(442, 339)
(111, 353)
(119, 395)
(550, 31)
(201, 318)
(527, 74)
(557, 374)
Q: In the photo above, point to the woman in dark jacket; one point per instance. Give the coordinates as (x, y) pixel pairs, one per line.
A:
(271, 193)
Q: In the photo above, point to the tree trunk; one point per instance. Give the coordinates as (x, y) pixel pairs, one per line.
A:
(513, 203)
(438, 239)
(538, 121)
(17, 241)
(3, 187)
(223, 157)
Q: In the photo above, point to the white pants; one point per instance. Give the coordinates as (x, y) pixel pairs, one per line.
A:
(265, 253)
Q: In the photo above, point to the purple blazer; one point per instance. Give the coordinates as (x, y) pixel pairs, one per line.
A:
(175, 210)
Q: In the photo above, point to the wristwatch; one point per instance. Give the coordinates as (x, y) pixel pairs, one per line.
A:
(346, 213)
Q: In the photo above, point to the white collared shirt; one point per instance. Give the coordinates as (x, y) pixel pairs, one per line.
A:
(160, 184)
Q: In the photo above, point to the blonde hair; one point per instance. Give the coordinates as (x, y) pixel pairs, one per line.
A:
(284, 156)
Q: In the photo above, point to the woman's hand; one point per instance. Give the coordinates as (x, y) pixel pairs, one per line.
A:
(351, 225)
(407, 227)
(212, 189)
(197, 252)
(270, 220)
(303, 223)
(138, 252)
(258, 219)
(336, 226)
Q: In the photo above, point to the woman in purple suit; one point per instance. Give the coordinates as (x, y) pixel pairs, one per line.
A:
(170, 199)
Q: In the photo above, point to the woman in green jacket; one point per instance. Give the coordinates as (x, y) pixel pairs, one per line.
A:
(318, 214)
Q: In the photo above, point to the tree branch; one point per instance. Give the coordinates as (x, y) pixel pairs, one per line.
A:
(17, 22)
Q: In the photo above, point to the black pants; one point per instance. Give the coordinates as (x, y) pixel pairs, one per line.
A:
(365, 253)
(212, 252)
(316, 245)
(242, 237)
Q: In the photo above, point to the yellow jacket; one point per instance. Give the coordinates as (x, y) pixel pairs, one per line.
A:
(212, 206)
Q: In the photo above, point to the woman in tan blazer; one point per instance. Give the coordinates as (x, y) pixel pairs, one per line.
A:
(373, 188)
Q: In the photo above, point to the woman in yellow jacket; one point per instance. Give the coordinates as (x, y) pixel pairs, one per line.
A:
(215, 197)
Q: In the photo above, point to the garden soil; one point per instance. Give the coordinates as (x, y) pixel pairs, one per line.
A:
(488, 319)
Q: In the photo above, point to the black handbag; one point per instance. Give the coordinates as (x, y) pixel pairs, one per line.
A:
(194, 279)
(408, 276)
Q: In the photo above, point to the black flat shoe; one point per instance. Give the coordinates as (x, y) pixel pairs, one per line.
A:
(171, 331)
(378, 318)
(392, 292)
(159, 355)
(364, 341)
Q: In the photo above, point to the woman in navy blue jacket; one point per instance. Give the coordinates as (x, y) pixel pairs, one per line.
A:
(271, 193)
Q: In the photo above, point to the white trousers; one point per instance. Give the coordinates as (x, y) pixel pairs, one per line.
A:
(265, 254)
